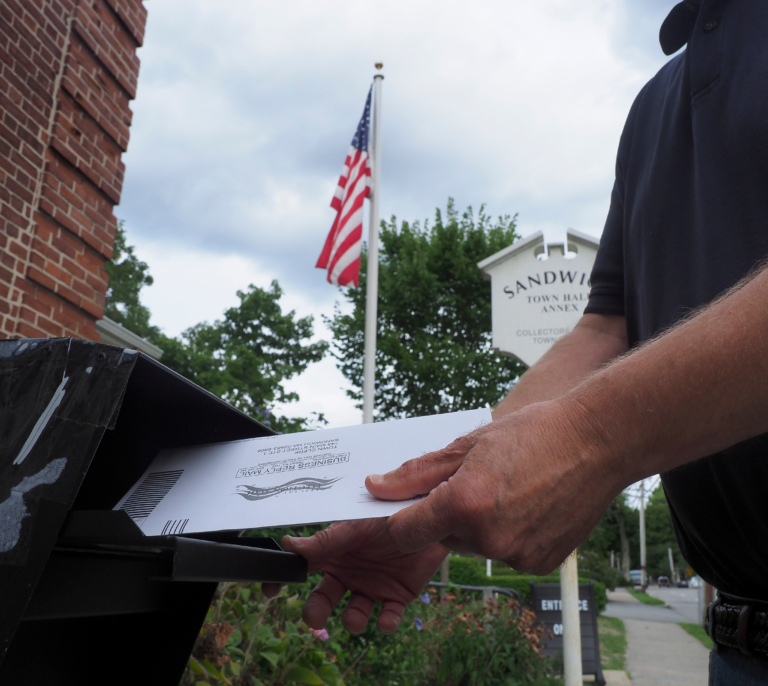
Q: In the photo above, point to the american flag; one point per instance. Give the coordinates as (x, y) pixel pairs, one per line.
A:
(341, 253)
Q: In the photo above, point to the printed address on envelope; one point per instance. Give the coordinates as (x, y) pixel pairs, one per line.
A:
(303, 478)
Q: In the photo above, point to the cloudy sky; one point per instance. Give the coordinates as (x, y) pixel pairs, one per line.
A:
(245, 110)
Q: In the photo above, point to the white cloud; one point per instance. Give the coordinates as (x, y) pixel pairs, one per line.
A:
(246, 108)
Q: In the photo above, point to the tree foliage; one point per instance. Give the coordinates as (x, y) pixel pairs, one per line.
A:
(127, 276)
(659, 536)
(244, 358)
(434, 351)
(617, 531)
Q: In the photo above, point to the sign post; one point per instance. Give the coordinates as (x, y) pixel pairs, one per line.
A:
(538, 294)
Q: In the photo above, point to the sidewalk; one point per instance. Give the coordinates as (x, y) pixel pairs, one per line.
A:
(659, 653)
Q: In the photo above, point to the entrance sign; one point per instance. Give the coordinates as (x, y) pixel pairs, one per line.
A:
(538, 292)
(547, 605)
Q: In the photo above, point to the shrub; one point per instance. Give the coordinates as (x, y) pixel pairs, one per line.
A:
(248, 640)
(469, 571)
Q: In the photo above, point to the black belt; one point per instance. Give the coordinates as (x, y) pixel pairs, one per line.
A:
(739, 623)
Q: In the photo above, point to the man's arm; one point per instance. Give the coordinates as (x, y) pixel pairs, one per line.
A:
(528, 488)
(595, 340)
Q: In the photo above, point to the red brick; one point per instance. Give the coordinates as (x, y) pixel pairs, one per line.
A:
(28, 315)
(34, 302)
(38, 277)
(75, 175)
(51, 328)
(25, 330)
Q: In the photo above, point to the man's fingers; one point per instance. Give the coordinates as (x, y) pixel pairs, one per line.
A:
(390, 617)
(427, 521)
(356, 614)
(319, 606)
(420, 475)
(335, 540)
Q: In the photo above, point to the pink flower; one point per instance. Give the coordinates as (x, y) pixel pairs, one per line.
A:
(322, 634)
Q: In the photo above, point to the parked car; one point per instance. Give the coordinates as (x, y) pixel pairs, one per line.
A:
(682, 583)
(636, 576)
(694, 582)
(663, 581)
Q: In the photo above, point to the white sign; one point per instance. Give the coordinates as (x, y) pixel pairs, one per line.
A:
(538, 292)
(301, 478)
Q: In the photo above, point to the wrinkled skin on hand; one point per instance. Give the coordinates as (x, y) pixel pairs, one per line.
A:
(525, 489)
(361, 557)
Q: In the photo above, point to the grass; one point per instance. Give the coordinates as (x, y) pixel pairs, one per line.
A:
(645, 598)
(613, 642)
(697, 632)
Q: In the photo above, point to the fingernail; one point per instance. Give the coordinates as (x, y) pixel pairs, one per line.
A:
(376, 479)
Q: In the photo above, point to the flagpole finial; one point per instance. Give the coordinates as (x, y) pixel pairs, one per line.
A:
(379, 65)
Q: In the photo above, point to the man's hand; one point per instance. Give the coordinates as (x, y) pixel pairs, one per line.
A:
(364, 557)
(361, 557)
(525, 489)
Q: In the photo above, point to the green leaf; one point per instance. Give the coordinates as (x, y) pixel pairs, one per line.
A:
(235, 667)
(271, 657)
(194, 665)
(214, 672)
(245, 594)
(302, 675)
(235, 638)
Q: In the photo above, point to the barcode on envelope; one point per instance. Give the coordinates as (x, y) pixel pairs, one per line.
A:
(148, 494)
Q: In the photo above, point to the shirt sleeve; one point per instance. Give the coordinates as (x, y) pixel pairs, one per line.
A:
(607, 293)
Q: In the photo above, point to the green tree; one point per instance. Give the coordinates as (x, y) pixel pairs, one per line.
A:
(246, 357)
(616, 531)
(127, 276)
(434, 351)
(660, 535)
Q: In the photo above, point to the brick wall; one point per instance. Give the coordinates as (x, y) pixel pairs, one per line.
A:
(68, 70)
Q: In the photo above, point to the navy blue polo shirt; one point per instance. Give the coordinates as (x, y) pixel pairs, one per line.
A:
(688, 219)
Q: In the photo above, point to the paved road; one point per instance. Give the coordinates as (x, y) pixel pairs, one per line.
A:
(684, 601)
(659, 653)
(682, 606)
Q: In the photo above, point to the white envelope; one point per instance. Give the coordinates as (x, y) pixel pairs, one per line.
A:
(302, 478)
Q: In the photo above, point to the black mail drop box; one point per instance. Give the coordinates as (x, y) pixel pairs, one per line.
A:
(86, 597)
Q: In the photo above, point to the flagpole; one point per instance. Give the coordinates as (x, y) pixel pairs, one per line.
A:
(372, 278)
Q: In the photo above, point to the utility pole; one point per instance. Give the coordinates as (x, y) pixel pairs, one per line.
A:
(671, 565)
(643, 572)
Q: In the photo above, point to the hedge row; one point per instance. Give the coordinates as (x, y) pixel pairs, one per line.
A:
(470, 571)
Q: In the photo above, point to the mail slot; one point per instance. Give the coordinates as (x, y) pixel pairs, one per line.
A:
(87, 598)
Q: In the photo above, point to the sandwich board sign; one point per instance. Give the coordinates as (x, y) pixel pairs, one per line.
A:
(546, 603)
(538, 292)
